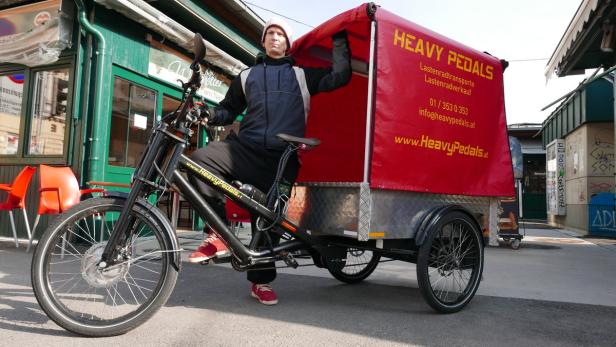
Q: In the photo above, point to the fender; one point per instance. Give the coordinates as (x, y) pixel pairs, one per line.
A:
(434, 215)
(169, 234)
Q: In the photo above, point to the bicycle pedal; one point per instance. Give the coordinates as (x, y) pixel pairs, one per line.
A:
(222, 260)
(290, 261)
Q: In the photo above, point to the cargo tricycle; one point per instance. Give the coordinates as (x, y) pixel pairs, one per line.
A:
(406, 162)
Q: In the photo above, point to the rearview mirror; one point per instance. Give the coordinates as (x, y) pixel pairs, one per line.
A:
(199, 48)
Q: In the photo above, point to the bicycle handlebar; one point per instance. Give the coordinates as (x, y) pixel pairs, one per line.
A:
(193, 84)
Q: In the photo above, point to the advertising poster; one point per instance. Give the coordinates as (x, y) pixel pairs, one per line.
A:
(440, 119)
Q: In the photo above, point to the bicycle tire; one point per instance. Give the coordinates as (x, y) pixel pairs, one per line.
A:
(351, 273)
(58, 305)
(446, 253)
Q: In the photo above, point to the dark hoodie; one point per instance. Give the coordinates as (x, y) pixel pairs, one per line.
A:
(273, 99)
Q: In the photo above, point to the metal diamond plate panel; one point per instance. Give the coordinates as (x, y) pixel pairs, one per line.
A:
(329, 210)
(365, 211)
(362, 213)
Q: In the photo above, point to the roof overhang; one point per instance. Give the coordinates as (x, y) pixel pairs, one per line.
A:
(588, 42)
(143, 13)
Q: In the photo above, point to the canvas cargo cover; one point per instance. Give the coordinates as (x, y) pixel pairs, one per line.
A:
(438, 118)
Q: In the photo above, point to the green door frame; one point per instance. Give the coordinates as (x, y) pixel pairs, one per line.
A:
(121, 174)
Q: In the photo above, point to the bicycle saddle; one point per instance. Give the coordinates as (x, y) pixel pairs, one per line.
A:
(294, 140)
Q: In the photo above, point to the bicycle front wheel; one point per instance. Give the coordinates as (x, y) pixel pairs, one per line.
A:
(86, 300)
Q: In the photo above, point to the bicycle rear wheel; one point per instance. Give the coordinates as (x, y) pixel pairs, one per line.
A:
(86, 300)
(450, 263)
(359, 264)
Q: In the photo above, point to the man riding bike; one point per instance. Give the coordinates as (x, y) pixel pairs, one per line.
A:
(276, 96)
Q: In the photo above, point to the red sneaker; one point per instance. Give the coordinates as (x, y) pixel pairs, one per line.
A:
(264, 293)
(210, 248)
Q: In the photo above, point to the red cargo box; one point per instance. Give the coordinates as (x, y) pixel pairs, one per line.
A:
(422, 112)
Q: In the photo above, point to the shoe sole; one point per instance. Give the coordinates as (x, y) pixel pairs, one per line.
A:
(272, 302)
(200, 259)
(220, 254)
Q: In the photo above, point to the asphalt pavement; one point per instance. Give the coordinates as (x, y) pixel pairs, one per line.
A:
(556, 290)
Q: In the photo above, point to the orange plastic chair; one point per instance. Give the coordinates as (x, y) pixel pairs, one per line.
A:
(59, 191)
(236, 215)
(16, 197)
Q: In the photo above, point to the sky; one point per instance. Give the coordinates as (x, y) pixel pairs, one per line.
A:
(524, 32)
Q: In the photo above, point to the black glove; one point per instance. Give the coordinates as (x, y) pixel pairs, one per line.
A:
(206, 113)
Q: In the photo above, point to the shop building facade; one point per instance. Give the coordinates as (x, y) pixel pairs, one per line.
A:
(579, 141)
(580, 135)
(82, 82)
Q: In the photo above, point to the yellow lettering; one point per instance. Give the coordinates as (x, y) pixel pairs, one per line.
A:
(399, 38)
(476, 69)
(468, 64)
(419, 47)
(451, 57)
(489, 72)
(409, 42)
(439, 51)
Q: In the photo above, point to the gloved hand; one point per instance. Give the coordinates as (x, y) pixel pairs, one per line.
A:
(204, 112)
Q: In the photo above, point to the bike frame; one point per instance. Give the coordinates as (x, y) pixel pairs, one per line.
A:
(164, 159)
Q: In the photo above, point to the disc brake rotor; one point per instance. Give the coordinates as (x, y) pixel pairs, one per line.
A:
(96, 277)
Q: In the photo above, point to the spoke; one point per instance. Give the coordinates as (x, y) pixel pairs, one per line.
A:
(66, 282)
(104, 221)
(61, 281)
(437, 281)
(89, 233)
(466, 252)
(149, 260)
(74, 285)
(457, 282)
(81, 237)
(134, 261)
(131, 291)
(142, 279)
(65, 261)
(144, 268)
(113, 302)
(138, 286)
(70, 244)
(94, 304)
(67, 252)
(91, 241)
(115, 288)
(440, 291)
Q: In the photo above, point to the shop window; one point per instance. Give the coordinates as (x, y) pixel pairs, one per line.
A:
(49, 107)
(11, 95)
(132, 119)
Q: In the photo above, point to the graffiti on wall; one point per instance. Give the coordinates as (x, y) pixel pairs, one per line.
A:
(602, 157)
(555, 178)
(601, 187)
(601, 215)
